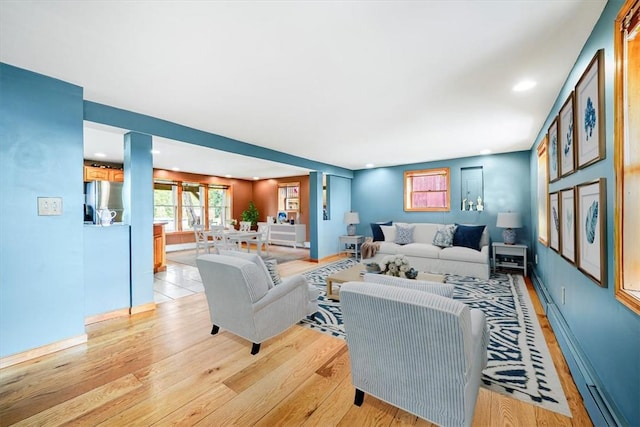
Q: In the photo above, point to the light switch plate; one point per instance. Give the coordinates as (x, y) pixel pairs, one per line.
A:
(48, 206)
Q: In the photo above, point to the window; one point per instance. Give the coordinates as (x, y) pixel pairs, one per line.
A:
(192, 196)
(426, 190)
(219, 204)
(164, 204)
(627, 155)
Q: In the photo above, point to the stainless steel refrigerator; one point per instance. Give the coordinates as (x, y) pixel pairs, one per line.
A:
(103, 195)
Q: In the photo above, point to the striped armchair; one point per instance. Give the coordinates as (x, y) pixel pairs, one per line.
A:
(416, 350)
(243, 299)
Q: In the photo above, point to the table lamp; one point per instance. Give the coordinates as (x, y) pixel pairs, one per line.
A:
(509, 221)
(351, 219)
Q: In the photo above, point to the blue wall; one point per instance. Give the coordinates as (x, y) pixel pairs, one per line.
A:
(41, 257)
(377, 194)
(603, 330)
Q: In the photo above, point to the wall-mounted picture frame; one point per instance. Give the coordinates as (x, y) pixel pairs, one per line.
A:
(568, 224)
(589, 104)
(554, 222)
(591, 233)
(553, 155)
(542, 191)
(567, 137)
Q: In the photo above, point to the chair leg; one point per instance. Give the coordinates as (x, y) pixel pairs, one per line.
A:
(255, 348)
(215, 329)
(359, 398)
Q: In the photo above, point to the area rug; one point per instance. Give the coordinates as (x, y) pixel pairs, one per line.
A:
(519, 365)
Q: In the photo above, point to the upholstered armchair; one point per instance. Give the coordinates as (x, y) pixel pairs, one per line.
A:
(416, 350)
(243, 299)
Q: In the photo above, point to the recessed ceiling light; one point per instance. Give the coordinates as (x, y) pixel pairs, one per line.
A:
(99, 154)
(228, 176)
(524, 85)
(369, 165)
(485, 152)
(175, 169)
(256, 178)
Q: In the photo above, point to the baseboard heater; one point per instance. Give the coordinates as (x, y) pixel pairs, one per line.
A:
(599, 409)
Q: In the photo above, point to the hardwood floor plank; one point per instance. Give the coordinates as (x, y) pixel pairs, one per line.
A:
(334, 407)
(266, 362)
(251, 405)
(373, 412)
(302, 402)
(71, 409)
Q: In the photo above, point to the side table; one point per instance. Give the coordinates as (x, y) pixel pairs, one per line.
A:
(510, 256)
(351, 244)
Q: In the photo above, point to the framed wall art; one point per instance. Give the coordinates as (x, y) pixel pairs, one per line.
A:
(591, 233)
(589, 103)
(554, 222)
(543, 189)
(567, 138)
(568, 224)
(552, 137)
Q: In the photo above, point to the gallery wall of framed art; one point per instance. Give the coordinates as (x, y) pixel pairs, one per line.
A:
(572, 219)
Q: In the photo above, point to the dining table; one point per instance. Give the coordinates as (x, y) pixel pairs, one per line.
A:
(235, 237)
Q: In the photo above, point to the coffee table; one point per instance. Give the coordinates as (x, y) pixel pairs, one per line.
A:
(353, 274)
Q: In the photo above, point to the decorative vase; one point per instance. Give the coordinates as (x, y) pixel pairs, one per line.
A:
(411, 274)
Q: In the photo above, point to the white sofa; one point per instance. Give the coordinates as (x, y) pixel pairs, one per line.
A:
(423, 255)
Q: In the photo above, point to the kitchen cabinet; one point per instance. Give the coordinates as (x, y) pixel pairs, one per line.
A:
(92, 173)
(159, 248)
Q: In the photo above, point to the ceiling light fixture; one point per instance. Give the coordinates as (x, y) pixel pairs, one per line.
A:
(485, 152)
(155, 152)
(369, 165)
(175, 169)
(227, 176)
(256, 178)
(524, 85)
(99, 154)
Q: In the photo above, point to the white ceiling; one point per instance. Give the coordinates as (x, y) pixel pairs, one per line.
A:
(339, 82)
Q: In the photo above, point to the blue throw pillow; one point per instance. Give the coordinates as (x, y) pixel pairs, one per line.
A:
(378, 235)
(468, 236)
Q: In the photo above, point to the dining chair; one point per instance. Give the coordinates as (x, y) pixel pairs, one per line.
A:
(262, 238)
(219, 238)
(202, 240)
(245, 225)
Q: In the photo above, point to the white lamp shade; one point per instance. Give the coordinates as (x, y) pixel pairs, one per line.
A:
(351, 218)
(509, 220)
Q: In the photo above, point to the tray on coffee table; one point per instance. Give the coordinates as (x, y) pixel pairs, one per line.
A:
(355, 273)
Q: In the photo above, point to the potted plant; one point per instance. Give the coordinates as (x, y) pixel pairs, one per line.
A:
(251, 214)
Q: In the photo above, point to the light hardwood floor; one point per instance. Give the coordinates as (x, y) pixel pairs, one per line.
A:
(163, 367)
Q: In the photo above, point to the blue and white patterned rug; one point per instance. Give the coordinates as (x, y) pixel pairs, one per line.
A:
(519, 365)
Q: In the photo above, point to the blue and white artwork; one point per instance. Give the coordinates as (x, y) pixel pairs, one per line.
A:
(591, 222)
(567, 224)
(590, 119)
(589, 106)
(553, 151)
(554, 230)
(566, 133)
(592, 256)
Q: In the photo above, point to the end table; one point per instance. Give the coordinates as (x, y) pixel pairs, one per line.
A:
(351, 244)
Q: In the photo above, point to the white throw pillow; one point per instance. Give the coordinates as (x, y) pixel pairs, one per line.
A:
(389, 232)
